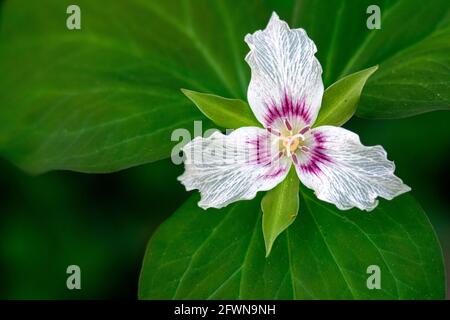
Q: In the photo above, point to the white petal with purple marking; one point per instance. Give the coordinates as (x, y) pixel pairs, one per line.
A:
(228, 168)
(286, 80)
(346, 173)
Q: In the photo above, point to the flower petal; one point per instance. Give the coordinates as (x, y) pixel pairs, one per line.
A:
(228, 168)
(346, 173)
(286, 78)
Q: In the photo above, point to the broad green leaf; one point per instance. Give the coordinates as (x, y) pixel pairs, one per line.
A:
(411, 82)
(340, 100)
(280, 208)
(107, 97)
(226, 113)
(324, 254)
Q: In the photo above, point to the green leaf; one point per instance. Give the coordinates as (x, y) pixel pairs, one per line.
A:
(340, 100)
(226, 113)
(324, 254)
(280, 208)
(107, 97)
(412, 82)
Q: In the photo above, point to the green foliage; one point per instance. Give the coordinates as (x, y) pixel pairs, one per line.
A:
(107, 97)
(415, 80)
(226, 113)
(340, 100)
(323, 255)
(280, 208)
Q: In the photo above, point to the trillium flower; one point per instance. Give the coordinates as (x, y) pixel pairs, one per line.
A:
(285, 94)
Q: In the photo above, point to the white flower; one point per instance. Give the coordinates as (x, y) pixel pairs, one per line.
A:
(285, 94)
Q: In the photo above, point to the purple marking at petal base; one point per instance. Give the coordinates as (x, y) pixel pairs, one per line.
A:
(317, 155)
(286, 108)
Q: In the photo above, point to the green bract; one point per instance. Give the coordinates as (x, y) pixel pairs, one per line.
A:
(226, 113)
(280, 208)
(340, 100)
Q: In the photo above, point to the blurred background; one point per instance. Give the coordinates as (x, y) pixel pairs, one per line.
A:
(103, 222)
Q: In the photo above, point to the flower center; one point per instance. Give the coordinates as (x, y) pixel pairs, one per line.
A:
(292, 142)
(289, 142)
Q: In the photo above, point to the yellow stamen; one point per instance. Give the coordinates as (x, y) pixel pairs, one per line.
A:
(294, 144)
(291, 143)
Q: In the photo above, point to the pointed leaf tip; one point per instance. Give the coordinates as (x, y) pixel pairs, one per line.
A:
(280, 208)
(224, 112)
(341, 99)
